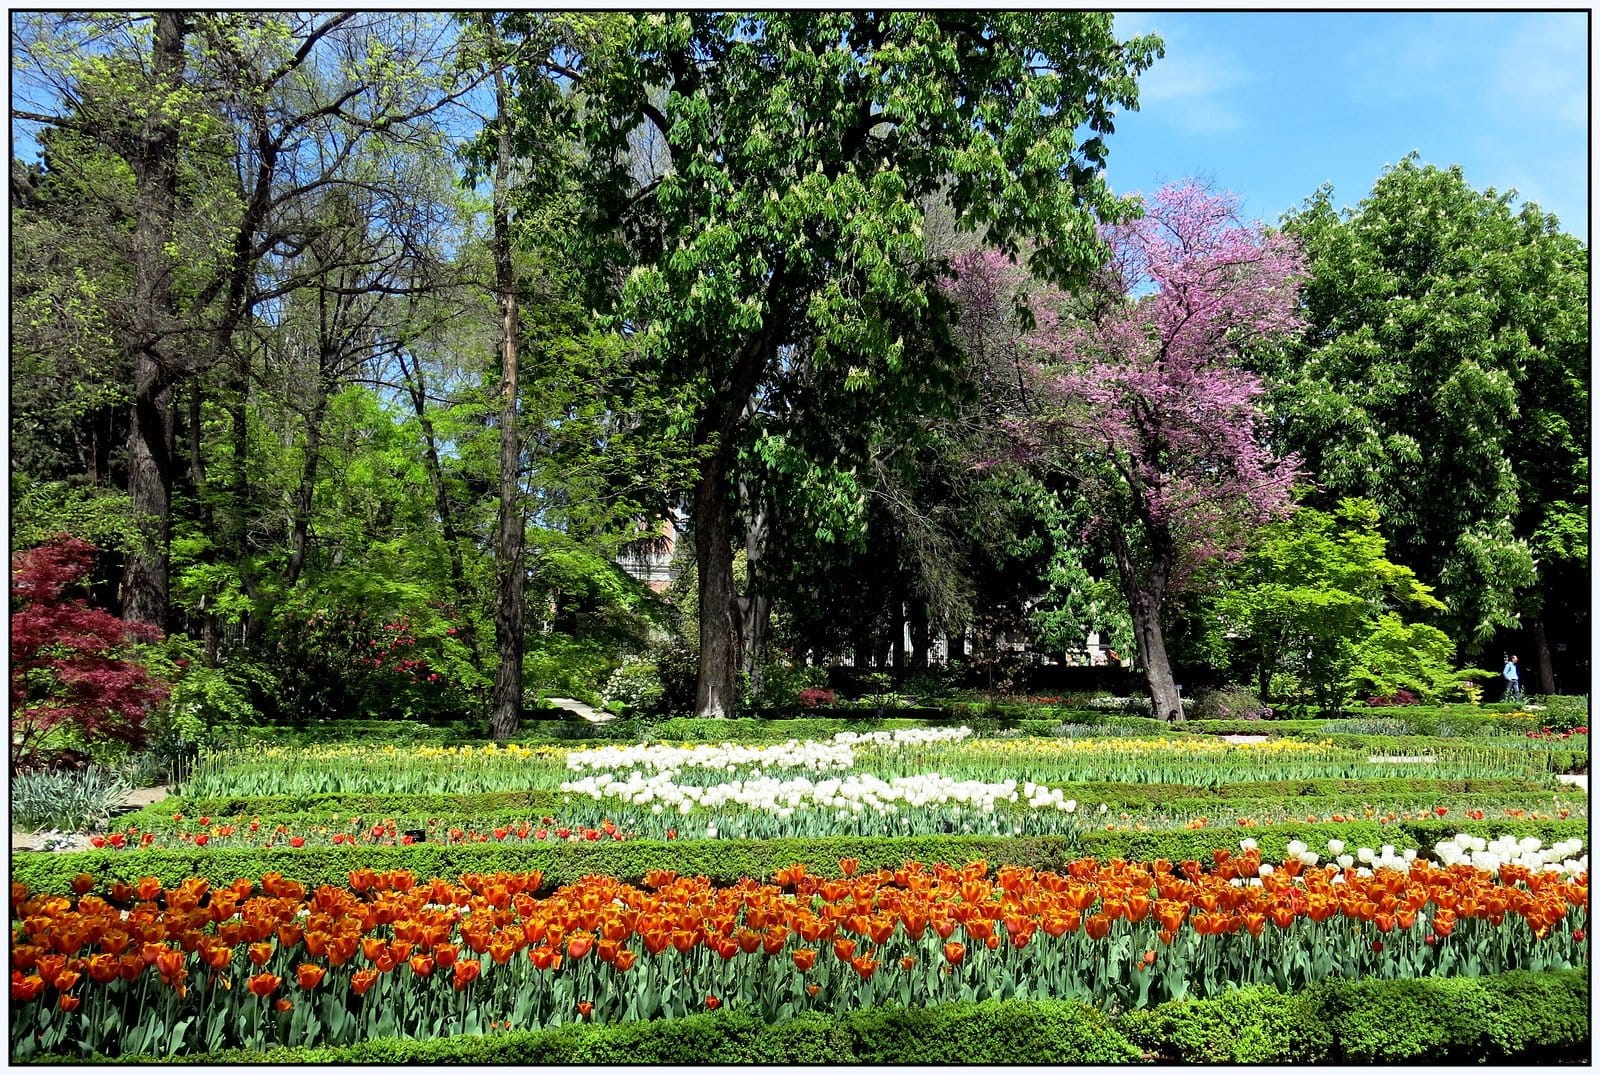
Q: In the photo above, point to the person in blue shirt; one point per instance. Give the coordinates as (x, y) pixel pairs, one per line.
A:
(1513, 682)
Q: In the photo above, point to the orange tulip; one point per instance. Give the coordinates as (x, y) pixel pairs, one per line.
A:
(283, 1004)
(1444, 922)
(69, 1004)
(848, 867)
(82, 883)
(445, 954)
(264, 985)
(713, 1003)
(813, 989)
(25, 988)
(170, 963)
(422, 966)
(260, 953)
(465, 972)
(1097, 926)
(362, 980)
(804, 959)
(625, 959)
(955, 952)
(585, 1007)
(865, 967)
(310, 975)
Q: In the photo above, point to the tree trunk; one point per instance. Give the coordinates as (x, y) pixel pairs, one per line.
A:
(300, 537)
(1541, 653)
(1144, 590)
(755, 609)
(717, 687)
(919, 636)
(416, 387)
(145, 575)
(898, 645)
(511, 533)
(1164, 700)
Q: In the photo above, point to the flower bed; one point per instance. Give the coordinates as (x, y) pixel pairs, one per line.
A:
(196, 967)
(927, 755)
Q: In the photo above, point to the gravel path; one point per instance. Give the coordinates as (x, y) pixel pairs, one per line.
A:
(587, 712)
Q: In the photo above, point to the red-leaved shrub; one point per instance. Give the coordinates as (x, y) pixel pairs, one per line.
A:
(812, 697)
(71, 664)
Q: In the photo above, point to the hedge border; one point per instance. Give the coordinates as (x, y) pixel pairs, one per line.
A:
(1516, 1017)
(725, 861)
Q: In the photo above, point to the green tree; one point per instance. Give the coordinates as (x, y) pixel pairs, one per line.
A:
(1444, 376)
(1307, 599)
(784, 211)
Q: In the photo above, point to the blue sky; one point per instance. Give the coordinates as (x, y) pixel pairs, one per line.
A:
(1272, 104)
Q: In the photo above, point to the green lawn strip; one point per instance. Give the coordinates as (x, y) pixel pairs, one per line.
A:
(725, 861)
(1117, 795)
(1516, 1017)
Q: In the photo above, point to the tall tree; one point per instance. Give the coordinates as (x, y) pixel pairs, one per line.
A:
(1157, 417)
(786, 211)
(300, 97)
(1444, 376)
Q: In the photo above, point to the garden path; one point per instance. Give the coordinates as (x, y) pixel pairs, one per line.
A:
(587, 712)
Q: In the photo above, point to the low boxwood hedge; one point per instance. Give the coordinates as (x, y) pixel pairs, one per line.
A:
(1518, 1017)
(1515, 1017)
(725, 861)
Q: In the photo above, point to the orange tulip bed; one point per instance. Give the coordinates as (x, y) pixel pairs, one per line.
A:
(142, 970)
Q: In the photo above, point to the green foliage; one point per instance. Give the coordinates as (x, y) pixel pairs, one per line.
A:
(1519, 1016)
(1444, 377)
(725, 861)
(1147, 800)
(1254, 1025)
(1410, 656)
(986, 1032)
(1313, 605)
(634, 686)
(78, 801)
(1231, 702)
(42, 509)
(1561, 712)
(1456, 1019)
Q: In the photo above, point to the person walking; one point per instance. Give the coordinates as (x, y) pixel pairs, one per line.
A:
(1513, 681)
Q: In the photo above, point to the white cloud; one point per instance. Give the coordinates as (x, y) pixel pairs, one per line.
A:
(1189, 85)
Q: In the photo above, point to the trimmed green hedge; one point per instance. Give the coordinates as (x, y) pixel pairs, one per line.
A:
(725, 861)
(1517, 1017)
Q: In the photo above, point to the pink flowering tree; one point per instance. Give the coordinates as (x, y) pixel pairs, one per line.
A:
(1143, 401)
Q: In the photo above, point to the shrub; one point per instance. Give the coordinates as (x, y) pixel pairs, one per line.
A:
(1367, 727)
(1398, 698)
(1232, 702)
(65, 801)
(812, 697)
(1520, 1016)
(1562, 712)
(636, 683)
(1257, 1025)
(72, 666)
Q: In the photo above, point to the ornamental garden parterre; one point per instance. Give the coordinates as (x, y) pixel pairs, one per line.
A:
(437, 893)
